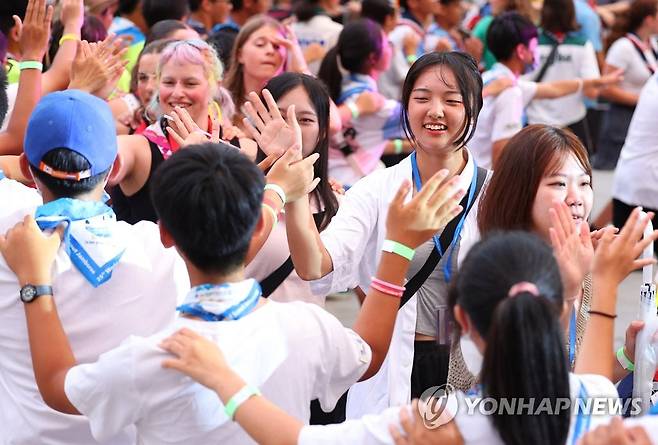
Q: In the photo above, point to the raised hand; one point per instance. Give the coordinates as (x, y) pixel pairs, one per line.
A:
(297, 61)
(429, 211)
(34, 31)
(572, 247)
(30, 253)
(297, 178)
(272, 133)
(195, 356)
(185, 131)
(617, 256)
(72, 13)
(96, 68)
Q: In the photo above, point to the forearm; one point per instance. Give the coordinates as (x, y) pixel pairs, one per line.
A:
(52, 356)
(619, 96)
(28, 95)
(376, 319)
(258, 240)
(595, 356)
(58, 76)
(266, 423)
(335, 119)
(310, 257)
(558, 88)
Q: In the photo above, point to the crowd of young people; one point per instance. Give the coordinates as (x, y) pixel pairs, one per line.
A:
(173, 205)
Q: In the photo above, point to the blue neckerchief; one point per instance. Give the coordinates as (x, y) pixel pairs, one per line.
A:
(218, 302)
(447, 267)
(84, 246)
(583, 419)
(572, 338)
(2, 175)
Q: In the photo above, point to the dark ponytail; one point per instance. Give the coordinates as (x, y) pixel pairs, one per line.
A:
(356, 42)
(525, 356)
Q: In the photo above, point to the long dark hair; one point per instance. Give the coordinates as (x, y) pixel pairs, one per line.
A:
(356, 42)
(469, 82)
(525, 356)
(531, 154)
(279, 86)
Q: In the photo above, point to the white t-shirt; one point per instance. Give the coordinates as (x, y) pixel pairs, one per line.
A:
(501, 116)
(320, 30)
(623, 54)
(292, 352)
(139, 299)
(636, 175)
(15, 196)
(354, 241)
(575, 59)
(475, 427)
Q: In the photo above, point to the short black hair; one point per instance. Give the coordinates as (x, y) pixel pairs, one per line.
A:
(163, 30)
(209, 198)
(66, 160)
(127, 6)
(237, 5)
(194, 4)
(157, 10)
(4, 102)
(377, 10)
(9, 8)
(469, 82)
(507, 31)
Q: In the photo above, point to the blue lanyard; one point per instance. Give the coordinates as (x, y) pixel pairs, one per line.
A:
(583, 419)
(572, 338)
(447, 267)
(235, 312)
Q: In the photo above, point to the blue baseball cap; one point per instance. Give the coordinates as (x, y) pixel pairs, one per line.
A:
(74, 120)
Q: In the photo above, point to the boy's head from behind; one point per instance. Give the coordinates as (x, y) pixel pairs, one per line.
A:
(208, 199)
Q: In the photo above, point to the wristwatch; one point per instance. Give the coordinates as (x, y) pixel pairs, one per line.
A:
(30, 292)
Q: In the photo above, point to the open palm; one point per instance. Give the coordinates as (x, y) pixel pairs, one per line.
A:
(272, 133)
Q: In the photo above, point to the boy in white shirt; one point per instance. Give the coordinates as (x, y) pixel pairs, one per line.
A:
(512, 38)
(209, 201)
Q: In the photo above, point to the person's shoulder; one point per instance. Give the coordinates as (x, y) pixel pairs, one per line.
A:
(594, 385)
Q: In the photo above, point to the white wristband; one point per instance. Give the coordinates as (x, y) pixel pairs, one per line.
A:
(278, 190)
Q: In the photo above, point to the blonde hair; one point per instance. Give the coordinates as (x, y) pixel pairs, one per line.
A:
(196, 52)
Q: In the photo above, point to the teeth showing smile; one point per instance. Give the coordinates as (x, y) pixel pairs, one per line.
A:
(435, 127)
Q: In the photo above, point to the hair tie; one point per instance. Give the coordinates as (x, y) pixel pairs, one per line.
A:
(523, 286)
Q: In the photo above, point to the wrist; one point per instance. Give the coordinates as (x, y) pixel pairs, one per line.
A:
(402, 249)
(73, 27)
(35, 279)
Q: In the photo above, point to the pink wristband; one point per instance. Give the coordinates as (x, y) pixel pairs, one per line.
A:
(388, 285)
(386, 290)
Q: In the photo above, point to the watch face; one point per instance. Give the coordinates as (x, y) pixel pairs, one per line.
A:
(27, 293)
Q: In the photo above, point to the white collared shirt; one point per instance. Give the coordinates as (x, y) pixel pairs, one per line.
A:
(15, 196)
(292, 352)
(354, 239)
(139, 299)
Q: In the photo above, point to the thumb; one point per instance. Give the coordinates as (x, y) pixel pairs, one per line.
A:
(59, 232)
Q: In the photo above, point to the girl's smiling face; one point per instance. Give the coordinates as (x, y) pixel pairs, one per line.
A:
(436, 109)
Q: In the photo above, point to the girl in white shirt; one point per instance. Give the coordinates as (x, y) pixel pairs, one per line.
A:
(634, 51)
(512, 315)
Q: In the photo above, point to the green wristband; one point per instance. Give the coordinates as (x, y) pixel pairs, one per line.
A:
(398, 249)
(397, 146)
(238, 399)
(624, 361)
(353, 109)
(30, 65)
(411, 59)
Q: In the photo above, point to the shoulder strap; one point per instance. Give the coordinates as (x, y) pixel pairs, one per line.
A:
(640, 51)
(271, 282)
(421, 276)
(550, 60)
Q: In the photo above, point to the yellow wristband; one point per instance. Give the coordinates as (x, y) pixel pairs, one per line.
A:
(66, 37)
